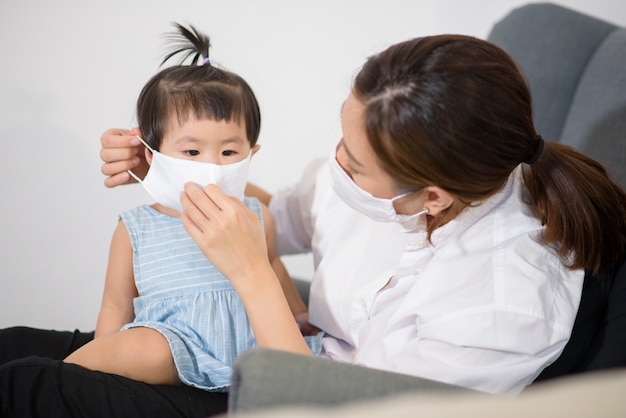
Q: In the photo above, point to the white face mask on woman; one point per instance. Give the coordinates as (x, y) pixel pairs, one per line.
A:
(376, 208)
(167, 176)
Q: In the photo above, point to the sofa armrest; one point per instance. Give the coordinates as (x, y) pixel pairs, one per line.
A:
(265, 378)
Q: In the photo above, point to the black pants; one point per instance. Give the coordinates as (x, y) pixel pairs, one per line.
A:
(34, 382)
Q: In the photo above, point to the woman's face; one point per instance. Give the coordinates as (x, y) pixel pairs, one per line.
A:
(356, 156)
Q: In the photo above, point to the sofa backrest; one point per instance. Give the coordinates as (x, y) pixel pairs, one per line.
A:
(575, 65)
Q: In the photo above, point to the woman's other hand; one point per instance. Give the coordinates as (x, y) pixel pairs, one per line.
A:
(122, 151)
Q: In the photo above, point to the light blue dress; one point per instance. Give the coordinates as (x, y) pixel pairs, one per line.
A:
(184, 297)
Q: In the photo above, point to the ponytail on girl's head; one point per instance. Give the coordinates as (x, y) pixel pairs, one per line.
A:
(189, 41)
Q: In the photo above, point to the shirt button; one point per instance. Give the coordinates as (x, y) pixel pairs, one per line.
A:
(363, 303)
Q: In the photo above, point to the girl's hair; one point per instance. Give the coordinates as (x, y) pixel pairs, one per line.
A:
(455, 112)
(198, 90)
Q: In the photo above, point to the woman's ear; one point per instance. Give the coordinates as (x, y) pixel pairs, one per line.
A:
(437, 200)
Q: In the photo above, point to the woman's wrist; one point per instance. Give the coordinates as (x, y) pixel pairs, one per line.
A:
(270, 316)
(253, 279)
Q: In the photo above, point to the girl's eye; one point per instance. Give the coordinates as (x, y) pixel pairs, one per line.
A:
(193, 152)
(228, 153)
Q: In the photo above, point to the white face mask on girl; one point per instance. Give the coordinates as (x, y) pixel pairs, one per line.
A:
(376, 208)
(167, 176)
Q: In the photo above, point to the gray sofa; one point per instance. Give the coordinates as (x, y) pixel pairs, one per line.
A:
(576, 67)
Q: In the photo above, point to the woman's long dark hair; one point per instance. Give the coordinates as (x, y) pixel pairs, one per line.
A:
(199, 90)
(455, 112)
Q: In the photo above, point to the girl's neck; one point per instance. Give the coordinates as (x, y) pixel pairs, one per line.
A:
(165, 210)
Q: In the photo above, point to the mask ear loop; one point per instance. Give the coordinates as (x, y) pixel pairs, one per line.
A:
(413, 220)
(423, 211)
(133, 175)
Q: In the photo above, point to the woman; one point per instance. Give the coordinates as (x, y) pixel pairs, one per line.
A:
(468, 263)
(450, 240)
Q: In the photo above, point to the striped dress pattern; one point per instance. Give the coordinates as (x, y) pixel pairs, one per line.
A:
(185, 298)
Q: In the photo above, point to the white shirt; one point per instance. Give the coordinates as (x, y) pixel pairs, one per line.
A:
(484, 305)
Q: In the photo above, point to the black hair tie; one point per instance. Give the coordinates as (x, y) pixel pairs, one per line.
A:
(538, 151)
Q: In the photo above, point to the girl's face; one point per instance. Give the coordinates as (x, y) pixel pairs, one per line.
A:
(205, 140)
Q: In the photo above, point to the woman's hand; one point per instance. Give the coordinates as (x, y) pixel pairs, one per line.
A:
(231, 237)
(122, 151)
(227, 232)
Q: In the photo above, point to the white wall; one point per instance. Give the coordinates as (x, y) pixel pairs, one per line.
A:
(71, 69)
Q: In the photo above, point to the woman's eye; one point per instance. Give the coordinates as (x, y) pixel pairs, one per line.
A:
(193, 152)
(228, 153)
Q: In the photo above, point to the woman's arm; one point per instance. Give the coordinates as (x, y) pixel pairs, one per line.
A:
(231, 237)
(119, 287)
(297, 306)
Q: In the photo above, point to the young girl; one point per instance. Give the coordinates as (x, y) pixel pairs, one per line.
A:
(200, 124)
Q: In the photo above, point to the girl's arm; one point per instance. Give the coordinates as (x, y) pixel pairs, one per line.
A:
(140, 353)
(119, 287)
(231, 237)
(255, 191)
(297, 306)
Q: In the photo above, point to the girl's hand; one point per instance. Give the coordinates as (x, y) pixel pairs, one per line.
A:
(122, 151)
(227, 232)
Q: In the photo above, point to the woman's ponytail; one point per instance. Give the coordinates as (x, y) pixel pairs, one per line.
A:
(583, 210)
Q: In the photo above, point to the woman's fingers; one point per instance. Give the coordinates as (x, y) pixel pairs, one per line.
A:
(228, 233)
(202, 216)
(198, 206)
(118, 166)
(192, 217)
(121, 151)
(118, 179)
(111, 155)
(117, 171)
(119, 138)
